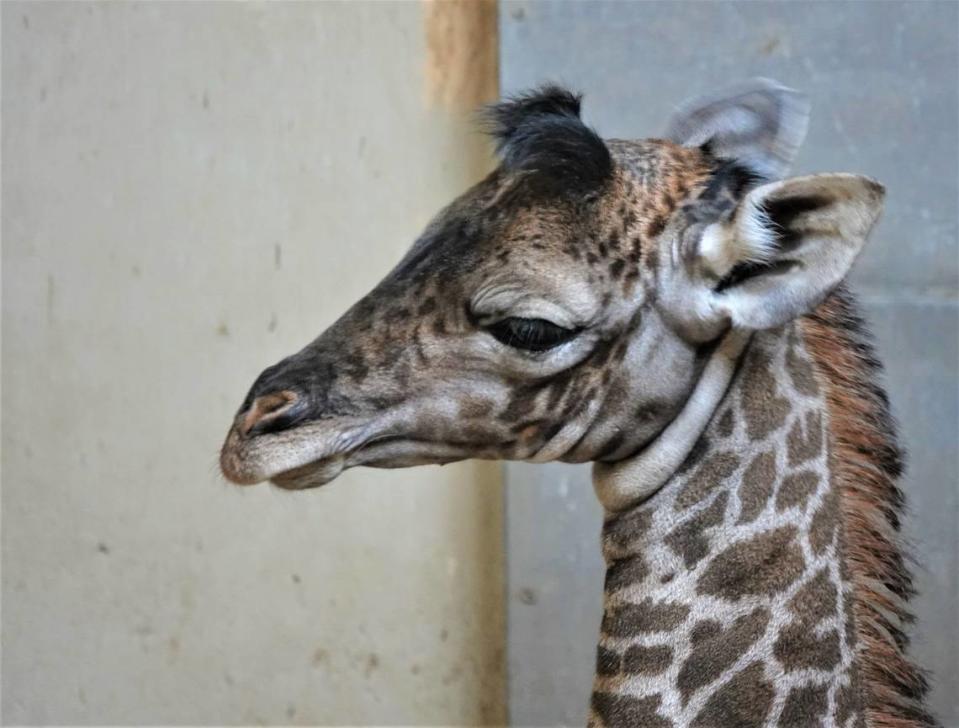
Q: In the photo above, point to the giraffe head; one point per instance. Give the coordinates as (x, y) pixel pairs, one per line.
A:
(563, 307)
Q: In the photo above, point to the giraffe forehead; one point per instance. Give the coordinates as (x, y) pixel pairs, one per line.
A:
(650, 180)
(507, 227)
(660, 169)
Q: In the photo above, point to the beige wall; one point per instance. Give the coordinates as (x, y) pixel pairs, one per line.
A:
(191, 192)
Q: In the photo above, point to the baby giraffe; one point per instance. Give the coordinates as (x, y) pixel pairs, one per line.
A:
(673, 311)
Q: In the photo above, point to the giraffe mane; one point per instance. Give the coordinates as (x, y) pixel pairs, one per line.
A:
(866, 462)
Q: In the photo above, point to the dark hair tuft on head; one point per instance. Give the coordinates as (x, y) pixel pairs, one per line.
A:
(540, 131)
(506, 117)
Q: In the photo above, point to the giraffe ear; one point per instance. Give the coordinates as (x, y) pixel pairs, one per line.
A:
(758, 124)
(787, 246)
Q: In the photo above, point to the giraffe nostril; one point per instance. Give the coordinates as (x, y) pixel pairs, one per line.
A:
(270, 412)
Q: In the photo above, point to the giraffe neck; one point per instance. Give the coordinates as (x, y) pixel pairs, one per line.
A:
(731, 597)
(726, 603)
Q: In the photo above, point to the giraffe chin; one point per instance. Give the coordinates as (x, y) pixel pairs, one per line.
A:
(311, 475)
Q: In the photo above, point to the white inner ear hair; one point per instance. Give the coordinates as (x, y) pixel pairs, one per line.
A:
(749, 238)
(629, 482)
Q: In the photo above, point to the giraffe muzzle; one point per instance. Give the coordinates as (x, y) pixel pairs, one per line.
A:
(280, 436)
(261, 445)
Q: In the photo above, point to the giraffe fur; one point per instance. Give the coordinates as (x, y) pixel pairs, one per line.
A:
(735, 549)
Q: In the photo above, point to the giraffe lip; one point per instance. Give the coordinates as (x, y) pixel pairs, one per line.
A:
(323, 470)
(312, 475)
(384, 451)
(306, 456)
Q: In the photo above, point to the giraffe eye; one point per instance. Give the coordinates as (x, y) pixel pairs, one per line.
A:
(530, 334)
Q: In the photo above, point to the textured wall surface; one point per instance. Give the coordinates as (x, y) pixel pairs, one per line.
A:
(883, 80)
(192, 191)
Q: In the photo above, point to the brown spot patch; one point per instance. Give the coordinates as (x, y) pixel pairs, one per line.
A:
(719, 651)
(848, 699)
(652, 258)
(796, 489)
(696, 455)
(647, 616)
(704, 630)
(655, 227)
(801, 370)
(689, 539)
(640, 660)
(607, 662)
(823, 527)
(427, 307)
(803, 446)
(626, 571)
(727, 421)
(622, 532)
(765, 564)
(710, 475)
(764, 410)
(475, 408)
(850, 617)
(805, 706)
(743, 702)
(757, 486)
(798, 648)
(816, 600)
(625, 710)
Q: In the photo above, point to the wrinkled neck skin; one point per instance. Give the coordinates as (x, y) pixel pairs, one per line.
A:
(627, 483)
(726, 603)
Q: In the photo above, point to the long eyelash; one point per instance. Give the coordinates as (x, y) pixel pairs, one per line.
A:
(530, 334)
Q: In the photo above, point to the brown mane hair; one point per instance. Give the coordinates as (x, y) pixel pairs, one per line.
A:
(866, 462)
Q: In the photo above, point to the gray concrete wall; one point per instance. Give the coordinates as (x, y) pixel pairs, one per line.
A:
(883, 80)
(190, 192)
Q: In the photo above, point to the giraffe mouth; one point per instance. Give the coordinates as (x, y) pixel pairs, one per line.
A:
(387, 451)
(306, 456)
(314, 454)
